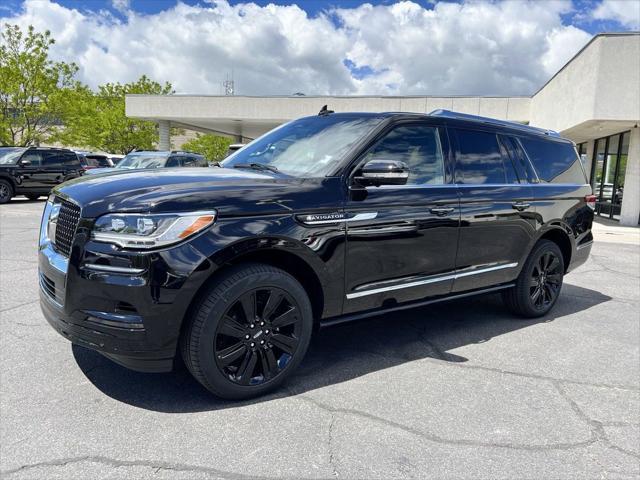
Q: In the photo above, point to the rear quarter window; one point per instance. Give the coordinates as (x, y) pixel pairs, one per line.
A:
(555, 162)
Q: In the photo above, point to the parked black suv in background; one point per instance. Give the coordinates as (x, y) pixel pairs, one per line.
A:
(34, 171)
(323, 220)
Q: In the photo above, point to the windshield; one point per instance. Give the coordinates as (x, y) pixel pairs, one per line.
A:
(309, 147)
(9, 156)
(143, 160)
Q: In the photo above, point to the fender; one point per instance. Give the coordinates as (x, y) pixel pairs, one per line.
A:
(318, 250)
(11, 179)
(556, 225)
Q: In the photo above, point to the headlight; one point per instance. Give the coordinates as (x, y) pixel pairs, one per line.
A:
(134, 230)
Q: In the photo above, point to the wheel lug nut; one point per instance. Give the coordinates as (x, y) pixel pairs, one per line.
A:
(247, 337)
(266, 331)
(261, 342)
(252, 326)
(261, 324)
(253, 344)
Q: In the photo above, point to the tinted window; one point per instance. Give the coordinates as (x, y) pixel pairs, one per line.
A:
(191, 162)
(416, 145)
(478, 159)
(53, 159)
(555, 162)
(34, 157)
(173, 162)
(70, 158)
(519, 160)
(95, 160)
(508, 158)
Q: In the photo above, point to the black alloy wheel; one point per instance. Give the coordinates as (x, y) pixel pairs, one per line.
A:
(248, 332)
(6, 192)
(546, 280)
(538, 286)
(258, 336)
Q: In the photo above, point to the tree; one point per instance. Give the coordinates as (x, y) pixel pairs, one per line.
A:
(213, 147)
(98, 120)
(32, 87)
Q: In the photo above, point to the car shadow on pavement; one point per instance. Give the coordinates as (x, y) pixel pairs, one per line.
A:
(340, 353)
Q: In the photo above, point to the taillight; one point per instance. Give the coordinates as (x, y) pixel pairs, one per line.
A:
(590, 200)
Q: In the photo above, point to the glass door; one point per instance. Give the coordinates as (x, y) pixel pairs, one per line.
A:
(608, 171)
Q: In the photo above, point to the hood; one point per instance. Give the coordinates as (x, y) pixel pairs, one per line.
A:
(229, 191)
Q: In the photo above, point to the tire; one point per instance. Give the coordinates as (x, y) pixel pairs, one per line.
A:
(32, 196)
(235, 357)
(6, 191)
(539, 283)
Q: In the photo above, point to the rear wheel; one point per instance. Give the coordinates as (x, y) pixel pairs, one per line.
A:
(539, 283)
(6, 191)
(249, 333)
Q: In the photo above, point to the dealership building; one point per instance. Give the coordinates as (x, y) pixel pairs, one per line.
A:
(594, 100)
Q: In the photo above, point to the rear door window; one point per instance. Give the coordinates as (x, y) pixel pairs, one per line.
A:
(52, 159)
(554, 161)
(479, 159)
(189, 162)
(174, 162)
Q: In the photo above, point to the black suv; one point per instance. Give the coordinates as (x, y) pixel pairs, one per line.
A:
(34, 171)
(323, 220)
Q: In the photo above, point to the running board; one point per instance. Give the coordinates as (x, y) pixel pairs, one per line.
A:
(330, 322)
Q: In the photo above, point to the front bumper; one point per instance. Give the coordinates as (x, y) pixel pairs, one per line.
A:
(128, 348)
(129, 306)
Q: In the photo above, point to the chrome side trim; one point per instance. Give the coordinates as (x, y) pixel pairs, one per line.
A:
(111, 269)
(427, 281)
(339, 218)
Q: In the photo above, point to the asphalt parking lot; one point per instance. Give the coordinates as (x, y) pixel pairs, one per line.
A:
(454, 391)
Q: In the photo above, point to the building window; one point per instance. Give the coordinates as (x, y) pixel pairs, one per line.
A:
(607, 173)
(582, 153)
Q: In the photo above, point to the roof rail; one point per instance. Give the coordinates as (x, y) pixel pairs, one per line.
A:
(185, 151)
(493, 121)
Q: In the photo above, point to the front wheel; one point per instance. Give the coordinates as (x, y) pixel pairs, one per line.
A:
(539, 283)
(249, 332)
(6, 191)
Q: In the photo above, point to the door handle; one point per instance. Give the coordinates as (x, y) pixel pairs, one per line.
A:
(520, 206)
(441, 211)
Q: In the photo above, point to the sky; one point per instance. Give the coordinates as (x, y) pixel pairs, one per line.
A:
(318, 47)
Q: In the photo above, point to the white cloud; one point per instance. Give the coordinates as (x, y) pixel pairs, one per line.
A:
(472, 48)
(625, 12)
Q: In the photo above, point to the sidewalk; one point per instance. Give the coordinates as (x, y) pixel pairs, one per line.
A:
(606, 230)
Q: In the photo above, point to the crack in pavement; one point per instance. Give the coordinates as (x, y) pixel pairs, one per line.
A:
(157, 465)
(330, 446)
(21, 305)
(597, 428)
(441, 440)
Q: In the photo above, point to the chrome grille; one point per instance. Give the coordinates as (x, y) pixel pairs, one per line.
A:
(68, 219)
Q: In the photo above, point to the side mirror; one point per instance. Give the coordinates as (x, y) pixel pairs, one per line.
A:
(24, 163)
(383, 172)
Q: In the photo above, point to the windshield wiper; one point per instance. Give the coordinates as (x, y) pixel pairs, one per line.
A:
(256, 166)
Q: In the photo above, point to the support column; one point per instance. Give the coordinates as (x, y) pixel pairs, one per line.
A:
(631, 197)
(164, 128)
(588, 163)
